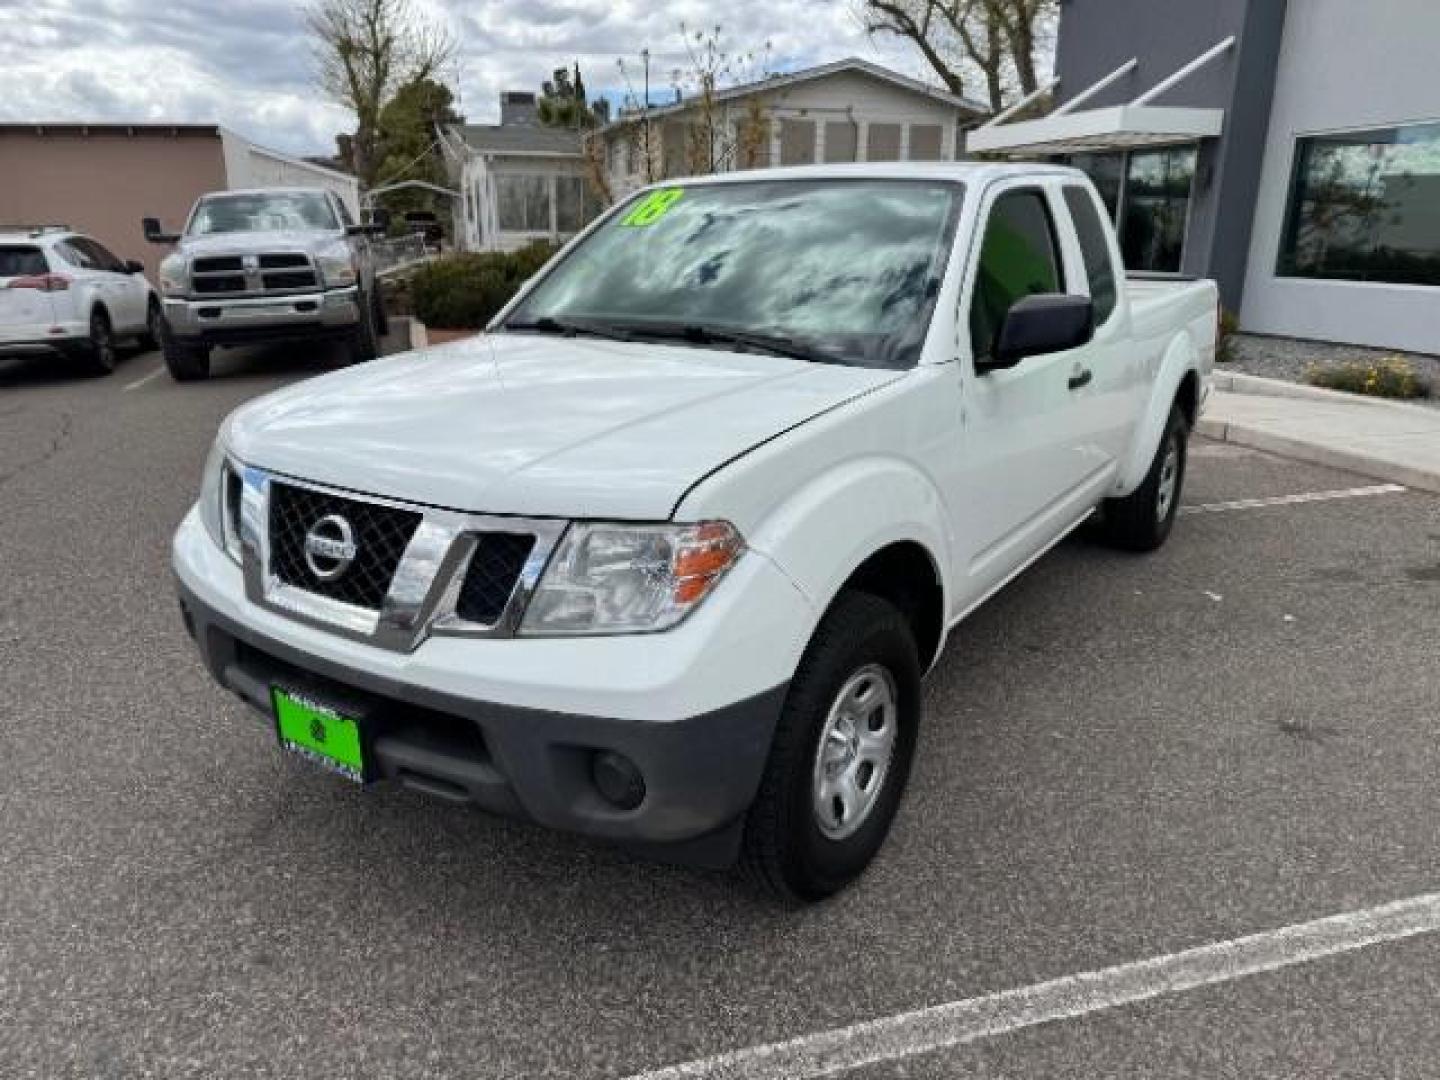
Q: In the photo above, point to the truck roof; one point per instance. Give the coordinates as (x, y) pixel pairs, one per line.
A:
(278, 189)
(966, 171)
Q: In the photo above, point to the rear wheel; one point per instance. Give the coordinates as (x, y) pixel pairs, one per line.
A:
(1142, 520)
(841, 755)
(154, 327)
(98, 352)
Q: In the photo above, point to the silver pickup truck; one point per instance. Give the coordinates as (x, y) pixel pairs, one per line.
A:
(277, 264)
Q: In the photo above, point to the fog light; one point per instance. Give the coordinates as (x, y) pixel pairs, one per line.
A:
(618, 780)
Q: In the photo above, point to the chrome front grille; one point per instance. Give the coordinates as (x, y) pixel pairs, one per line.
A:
(408, 571)
(276, 272)
(381, 535)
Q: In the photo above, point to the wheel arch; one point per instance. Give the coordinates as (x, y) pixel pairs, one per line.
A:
(875, 524)
(1177, 383)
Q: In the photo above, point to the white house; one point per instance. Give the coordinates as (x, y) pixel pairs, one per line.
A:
(849, 110)
(519, 181)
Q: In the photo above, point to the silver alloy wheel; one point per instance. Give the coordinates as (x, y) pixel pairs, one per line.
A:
(856, 745)
(1169, 479)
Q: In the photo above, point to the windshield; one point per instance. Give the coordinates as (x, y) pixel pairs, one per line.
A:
(280, 211)
(847, 268)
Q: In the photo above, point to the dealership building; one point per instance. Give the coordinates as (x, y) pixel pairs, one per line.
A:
(1290, 150)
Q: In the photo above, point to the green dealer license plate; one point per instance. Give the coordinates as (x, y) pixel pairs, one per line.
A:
(319, 733)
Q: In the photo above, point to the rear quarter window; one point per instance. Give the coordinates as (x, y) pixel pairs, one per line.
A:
(16, 261)
(1095, 250)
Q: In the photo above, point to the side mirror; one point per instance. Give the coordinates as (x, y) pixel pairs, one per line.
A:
(1041, 324)
(371, 229)
(134, 266)
(380, 216)
(154, 233)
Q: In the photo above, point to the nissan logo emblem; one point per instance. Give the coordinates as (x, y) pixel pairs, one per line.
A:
(330, 547)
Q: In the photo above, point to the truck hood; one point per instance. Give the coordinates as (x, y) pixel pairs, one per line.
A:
(239, 243)
(539, 426)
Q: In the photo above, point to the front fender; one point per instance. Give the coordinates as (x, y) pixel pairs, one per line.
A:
(825, 529)
(1181, 358)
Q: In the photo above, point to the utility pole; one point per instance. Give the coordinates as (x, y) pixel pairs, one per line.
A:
(649, 166)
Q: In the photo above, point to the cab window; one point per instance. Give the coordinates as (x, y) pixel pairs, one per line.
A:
(1019, 257)
(1095, 250)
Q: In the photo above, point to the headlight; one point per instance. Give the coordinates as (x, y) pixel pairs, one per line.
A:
(220, 501)
(625, 579)
(172, 274)
(337, 265)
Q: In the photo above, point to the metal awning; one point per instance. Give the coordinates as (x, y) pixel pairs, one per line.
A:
(1121, 127)
(1118, 127)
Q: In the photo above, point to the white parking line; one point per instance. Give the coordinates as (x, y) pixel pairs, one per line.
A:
(1288, 500)
(906, 1035)
(146, 378)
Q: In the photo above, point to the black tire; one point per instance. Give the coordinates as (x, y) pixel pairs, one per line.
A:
(187, 363)
(154, 327)
(382, 317)
(98, 353)
(363, 346)
(785, 848)
(1142, 520)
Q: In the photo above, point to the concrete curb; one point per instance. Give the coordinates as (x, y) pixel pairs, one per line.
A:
(1317, 454)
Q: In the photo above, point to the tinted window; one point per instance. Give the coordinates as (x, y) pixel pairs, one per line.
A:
(22, 262)
(1099, 267)
(851, 268)
(1019, 258)
(104, 258)
(76, 254)
(1365, 206)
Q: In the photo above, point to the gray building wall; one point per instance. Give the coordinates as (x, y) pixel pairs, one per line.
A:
(1097, 36)
(1343, 65)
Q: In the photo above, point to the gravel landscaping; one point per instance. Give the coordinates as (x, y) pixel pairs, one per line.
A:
(1290, 359)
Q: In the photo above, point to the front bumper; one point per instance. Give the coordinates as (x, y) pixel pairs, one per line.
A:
(240, 320)
(700, 772)
(513, 725)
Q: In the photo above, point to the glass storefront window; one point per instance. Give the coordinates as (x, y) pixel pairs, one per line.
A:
(1157, 203)
(1365, 206)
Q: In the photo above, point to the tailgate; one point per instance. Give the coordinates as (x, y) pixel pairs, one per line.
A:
(23, 307)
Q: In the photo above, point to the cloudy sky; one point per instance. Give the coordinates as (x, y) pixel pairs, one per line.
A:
(247, 63)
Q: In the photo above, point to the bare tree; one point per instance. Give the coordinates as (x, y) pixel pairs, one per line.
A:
(1002, 40)
(365, 50)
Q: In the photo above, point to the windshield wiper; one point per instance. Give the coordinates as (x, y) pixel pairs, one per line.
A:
(548, 324)
(702, 334)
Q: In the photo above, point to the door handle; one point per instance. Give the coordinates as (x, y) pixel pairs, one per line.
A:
(1080, 378)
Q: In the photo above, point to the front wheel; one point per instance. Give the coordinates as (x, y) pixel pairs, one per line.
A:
(1142, 520)
(187, 363)
(363, 345)
(841, 755)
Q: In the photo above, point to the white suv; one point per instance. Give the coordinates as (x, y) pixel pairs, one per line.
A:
(64, 292)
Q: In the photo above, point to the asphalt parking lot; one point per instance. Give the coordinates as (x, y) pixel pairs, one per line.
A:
(1125, 758)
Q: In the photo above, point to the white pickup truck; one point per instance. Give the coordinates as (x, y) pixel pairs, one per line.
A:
(662, 557)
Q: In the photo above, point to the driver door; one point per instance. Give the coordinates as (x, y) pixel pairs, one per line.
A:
(1025, 459)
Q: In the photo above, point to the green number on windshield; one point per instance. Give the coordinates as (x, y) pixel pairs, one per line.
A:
(653, 207)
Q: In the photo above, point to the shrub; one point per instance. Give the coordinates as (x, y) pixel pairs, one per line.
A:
(1389, 377)
(465, 291)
